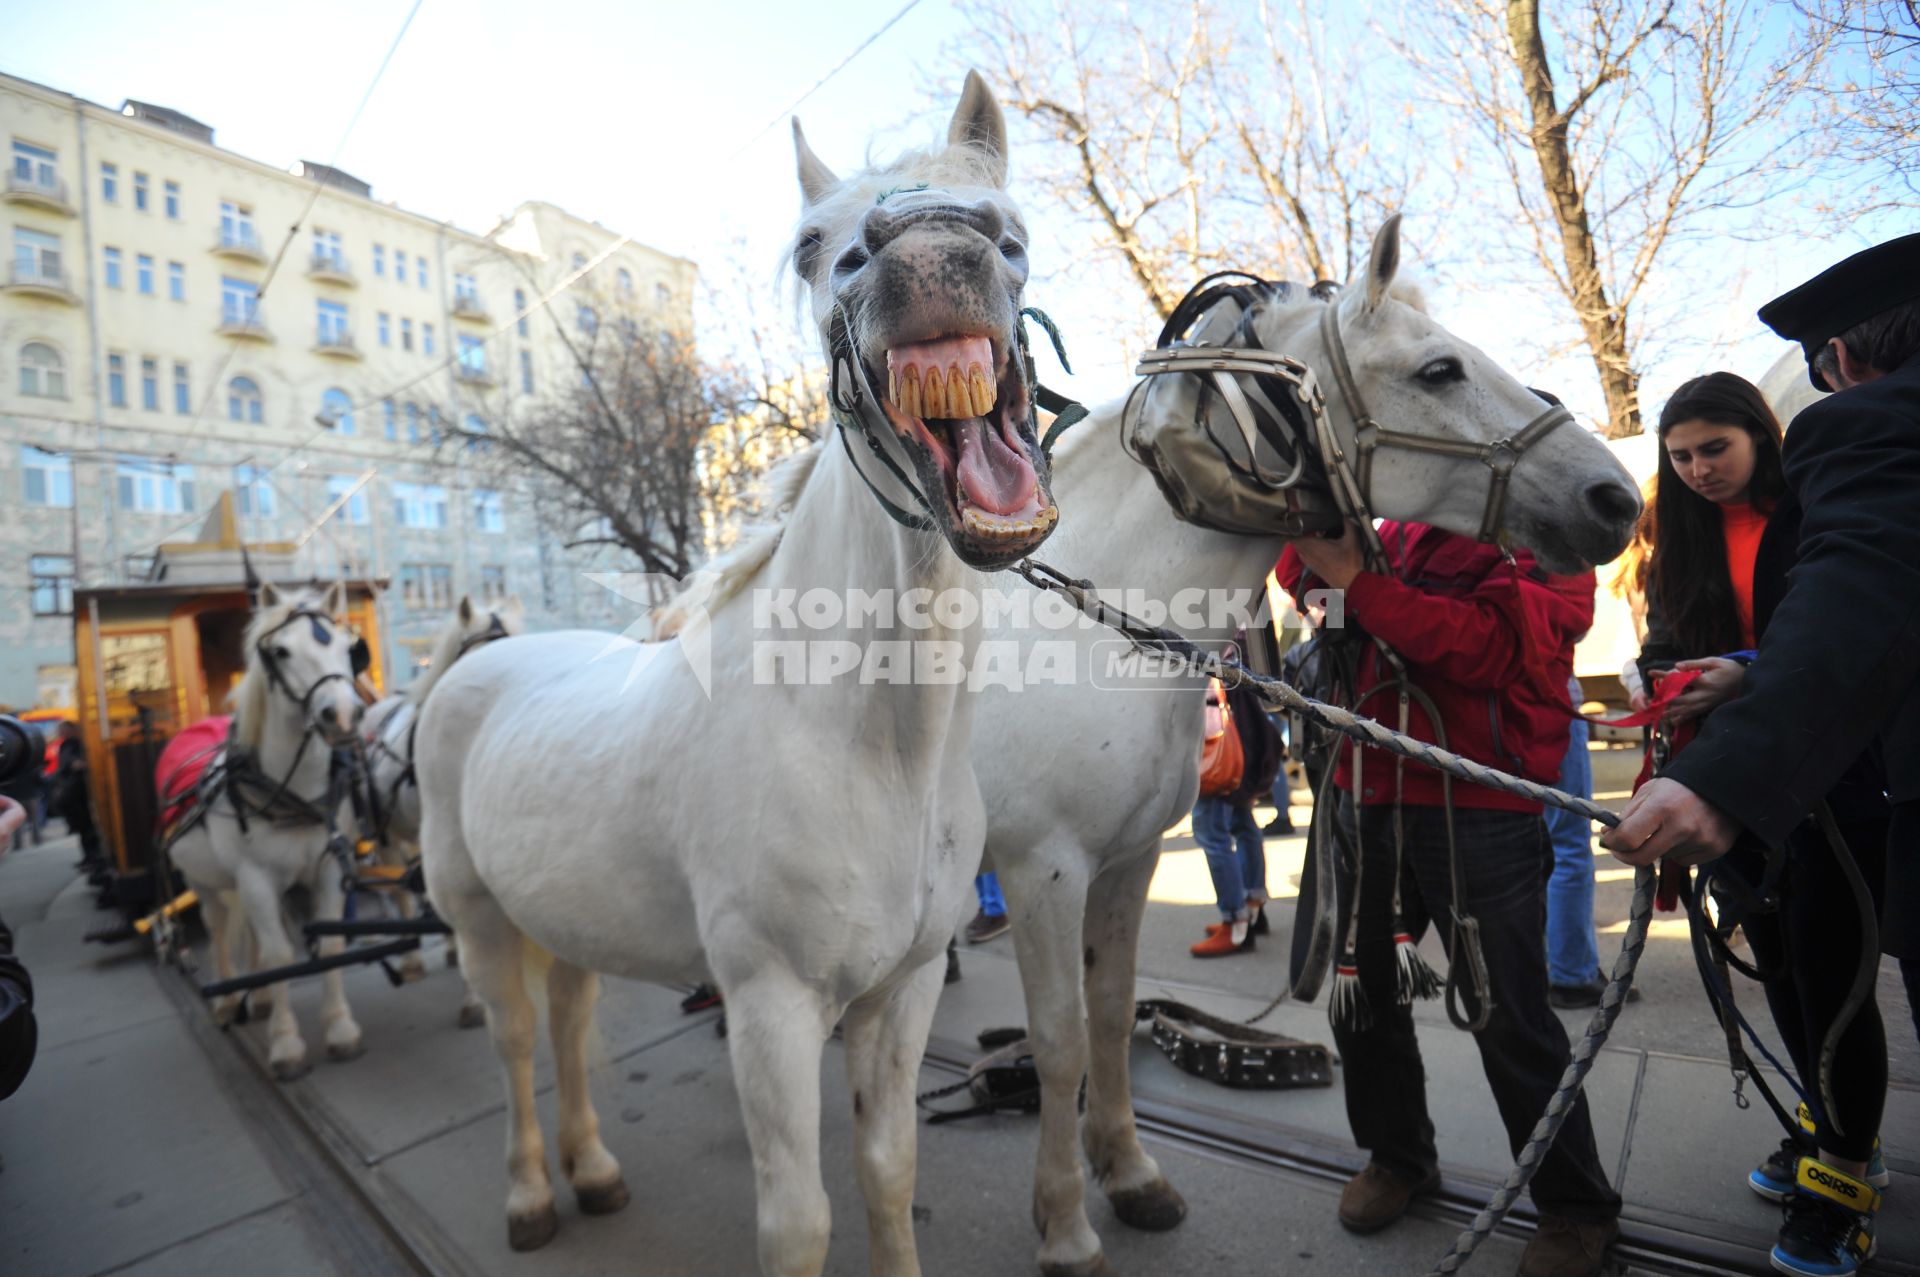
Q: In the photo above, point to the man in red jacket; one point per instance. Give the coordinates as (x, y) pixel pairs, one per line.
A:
(1489, 642)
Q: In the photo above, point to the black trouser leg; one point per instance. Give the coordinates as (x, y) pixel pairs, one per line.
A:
(1505, 859)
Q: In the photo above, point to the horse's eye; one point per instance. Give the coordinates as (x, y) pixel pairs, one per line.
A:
(806, 253)
(1442, 371)
(280, 650)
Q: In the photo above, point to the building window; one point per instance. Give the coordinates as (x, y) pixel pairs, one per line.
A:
(36, 165)
(426, 586)
(143, 274)
(337, 410)
(400, 264)
(623, 283)
(36, 255)
(252, 494)
(419, 505)
(426, 339)
(386, 410)
(520, 310)
(113, 266)
(413, 423)
(355, 509)
(332, 320)
(155, 487)
(52, 584)
(380, 260)
(109, 182)
(384, 323)
(239, 301)
(526, 372)
(326, 249)
(244, 402)
(236, 226)
(140, 192)
(473, 355)
(173, 201)
(177, 281)
(493, 583)
(117, 380)
(579, 261)
(487, 516)
(586, 320)
(662, 296)
(43, 373)
(150, 384)
(182, 394)
(420, 268)
(474, 426)
(49, 477)
(406, 334)
(465, 289)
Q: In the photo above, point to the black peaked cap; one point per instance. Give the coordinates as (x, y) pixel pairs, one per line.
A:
(1844, 294)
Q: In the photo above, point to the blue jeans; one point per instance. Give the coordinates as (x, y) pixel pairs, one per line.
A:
(992, 903)
(1573, 952)
(1236, 853)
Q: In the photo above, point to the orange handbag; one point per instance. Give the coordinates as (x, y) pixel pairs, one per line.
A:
(1222, 762)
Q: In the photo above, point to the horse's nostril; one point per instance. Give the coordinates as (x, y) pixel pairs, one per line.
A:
(327, 715)
(1614, 502)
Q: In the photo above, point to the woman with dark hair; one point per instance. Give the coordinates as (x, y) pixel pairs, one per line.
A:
(1719, 538)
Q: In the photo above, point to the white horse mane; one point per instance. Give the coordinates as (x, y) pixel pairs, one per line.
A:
(730, 572)
(249, 699)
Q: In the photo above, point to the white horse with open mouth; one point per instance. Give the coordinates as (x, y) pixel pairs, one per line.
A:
(806, 848)
(294, 706)
(1076, 859)
(387, 734)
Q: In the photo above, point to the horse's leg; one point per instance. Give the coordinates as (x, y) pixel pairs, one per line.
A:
(495, 952)
(393, 855)
(1046, 897)
(216, 914)
(584, 1160)
(260, 896)
(1116, 903)
(885, 1040)
(336, 1018)
(776, 1029)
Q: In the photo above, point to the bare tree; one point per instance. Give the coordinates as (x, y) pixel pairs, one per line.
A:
(1622, 128)
(646, 442)
(1874, 98)
(1193, 138)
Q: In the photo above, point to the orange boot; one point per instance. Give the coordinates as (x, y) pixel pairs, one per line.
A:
(1227, 939)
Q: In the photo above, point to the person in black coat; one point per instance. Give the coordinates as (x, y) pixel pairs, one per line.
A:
(1837, 676)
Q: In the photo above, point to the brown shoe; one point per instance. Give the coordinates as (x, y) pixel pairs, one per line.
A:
(1377, 1196)
(1563, 1248)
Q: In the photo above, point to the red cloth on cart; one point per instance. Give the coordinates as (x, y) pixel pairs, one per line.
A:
(184, 761)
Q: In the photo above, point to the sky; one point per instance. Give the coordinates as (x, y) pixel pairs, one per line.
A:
(666, 121)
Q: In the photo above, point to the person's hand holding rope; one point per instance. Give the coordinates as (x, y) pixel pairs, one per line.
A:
(1668, 821)
(1719, 682)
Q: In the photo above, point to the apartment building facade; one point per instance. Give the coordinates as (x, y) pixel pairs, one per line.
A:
(145, 369)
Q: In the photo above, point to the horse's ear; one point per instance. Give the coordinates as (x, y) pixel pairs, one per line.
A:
(513, 606)
(466, 609)
(334, 602)
(267, 597)
(1383, 262)
(816, 179)
(977, 122)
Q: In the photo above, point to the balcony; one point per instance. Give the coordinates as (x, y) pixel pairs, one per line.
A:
(476, 375)
(327, 268)
(40, 190)
(244, 324)
(468, 306)
(336, 345)
(35, 279)
(241, 244)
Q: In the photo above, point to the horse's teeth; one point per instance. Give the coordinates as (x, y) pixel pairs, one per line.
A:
(959, 398)
(893, 386)
(982, 391)
(933, 394)
(909, 397)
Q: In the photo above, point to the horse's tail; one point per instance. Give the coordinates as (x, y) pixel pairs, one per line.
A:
(729, 573)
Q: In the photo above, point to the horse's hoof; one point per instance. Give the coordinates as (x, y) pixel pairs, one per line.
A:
(1095, 1267)
(289, 1069)
(472, 1016)
(531, 1232)
(340, 1053)
(1154, 1209)
(601, 1199)
(413, 971)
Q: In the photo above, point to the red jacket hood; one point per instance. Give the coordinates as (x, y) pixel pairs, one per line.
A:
(1491, 642)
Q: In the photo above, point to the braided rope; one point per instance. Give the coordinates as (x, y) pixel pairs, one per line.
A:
(1150, 638)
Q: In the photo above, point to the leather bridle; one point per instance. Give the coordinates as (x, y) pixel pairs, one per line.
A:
(322, 635)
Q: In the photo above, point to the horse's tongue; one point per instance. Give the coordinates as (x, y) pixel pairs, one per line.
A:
(993, 476)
